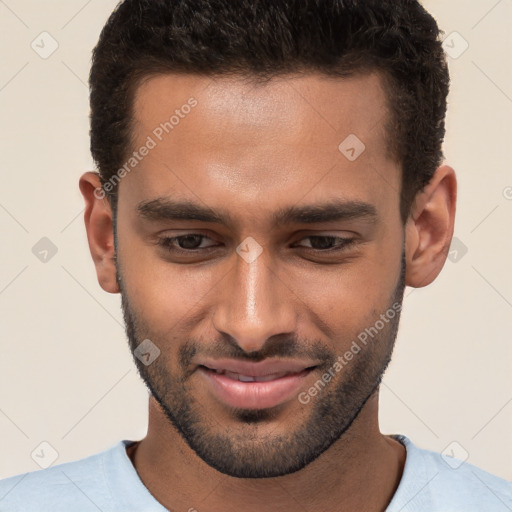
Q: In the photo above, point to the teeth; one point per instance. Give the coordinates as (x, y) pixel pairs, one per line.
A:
(244, 378)
(250, 378)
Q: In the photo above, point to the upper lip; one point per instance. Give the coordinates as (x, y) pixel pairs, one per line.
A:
(259, 369)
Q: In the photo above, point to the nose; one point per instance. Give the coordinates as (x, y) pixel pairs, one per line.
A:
(254, 304)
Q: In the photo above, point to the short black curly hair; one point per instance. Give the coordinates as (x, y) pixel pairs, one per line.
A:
(261, 39)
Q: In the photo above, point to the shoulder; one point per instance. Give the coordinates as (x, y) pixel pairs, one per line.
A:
(79, 486)
(433, 481)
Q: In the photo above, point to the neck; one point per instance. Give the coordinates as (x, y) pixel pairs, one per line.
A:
(361, 471)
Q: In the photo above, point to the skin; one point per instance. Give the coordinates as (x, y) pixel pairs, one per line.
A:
(249, 150)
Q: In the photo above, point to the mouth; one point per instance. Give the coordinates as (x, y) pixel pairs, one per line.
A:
(249, 391)
(254, 378)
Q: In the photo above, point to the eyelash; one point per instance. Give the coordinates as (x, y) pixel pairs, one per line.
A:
(167, 243)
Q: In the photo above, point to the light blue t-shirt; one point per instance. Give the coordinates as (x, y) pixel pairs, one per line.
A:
(108, 482)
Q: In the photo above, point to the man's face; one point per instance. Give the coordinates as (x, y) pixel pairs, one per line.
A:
(300, 255)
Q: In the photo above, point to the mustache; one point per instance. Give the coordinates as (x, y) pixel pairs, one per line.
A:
(286, 345)
(279, 346)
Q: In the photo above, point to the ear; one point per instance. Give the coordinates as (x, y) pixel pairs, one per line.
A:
(429, 228)
(100, 232)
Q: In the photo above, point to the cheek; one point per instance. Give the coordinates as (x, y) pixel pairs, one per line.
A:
(348, 298)
(345, 298)
(164, 294)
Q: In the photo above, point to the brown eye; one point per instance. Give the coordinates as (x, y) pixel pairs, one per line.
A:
(322, 242)
(183, 243)
(325, 243)
(189, 241)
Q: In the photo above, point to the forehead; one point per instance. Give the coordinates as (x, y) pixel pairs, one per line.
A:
(231, 139)
(309, 105)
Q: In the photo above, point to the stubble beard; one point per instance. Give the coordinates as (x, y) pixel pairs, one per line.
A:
(245, 451)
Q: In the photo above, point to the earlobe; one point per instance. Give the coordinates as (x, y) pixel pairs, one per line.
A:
(100, 233)
(429, 229)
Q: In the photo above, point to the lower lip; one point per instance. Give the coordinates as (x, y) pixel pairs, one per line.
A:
(254, 395)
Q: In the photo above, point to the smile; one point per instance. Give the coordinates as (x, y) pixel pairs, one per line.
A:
(253, 391)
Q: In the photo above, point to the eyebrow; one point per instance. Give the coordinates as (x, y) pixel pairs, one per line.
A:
(161, 209)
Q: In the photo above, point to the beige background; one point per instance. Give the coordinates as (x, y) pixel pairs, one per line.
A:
(66, 375)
